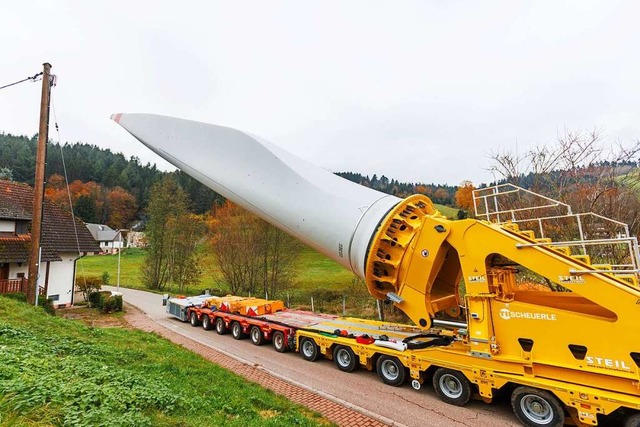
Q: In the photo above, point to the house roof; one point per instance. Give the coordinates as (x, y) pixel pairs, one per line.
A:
(103, 233)
(58, 231)
(16, 249)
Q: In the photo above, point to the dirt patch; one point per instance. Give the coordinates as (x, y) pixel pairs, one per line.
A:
(93, 317)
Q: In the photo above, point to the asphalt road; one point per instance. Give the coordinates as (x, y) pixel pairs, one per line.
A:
(360, 390)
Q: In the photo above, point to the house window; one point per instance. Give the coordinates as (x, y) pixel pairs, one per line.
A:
(7, 226)
(22, 227)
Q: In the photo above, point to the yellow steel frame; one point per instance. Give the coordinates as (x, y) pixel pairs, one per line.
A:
(423, 258)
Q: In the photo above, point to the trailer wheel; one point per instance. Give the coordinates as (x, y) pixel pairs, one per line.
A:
(236, 331)
(309, 349)
(206, 322)
(536, 408)
(221, 328)
(390, 370)
(344, 358)
(279, 342)
(632, 420)
(452, 386)
(193, 319)
(256, 335)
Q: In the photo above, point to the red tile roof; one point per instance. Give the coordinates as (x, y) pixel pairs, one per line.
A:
(58, 232)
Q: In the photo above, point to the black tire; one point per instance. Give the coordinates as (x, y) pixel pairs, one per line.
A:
(193, 319)
(452, 387)
(390, 370)
(537, 408)
(236, 331)
(221, 328)
(206, 322)
(344, 358)
(279, 343)
(256, 335)
(632, 420)
(309, 349)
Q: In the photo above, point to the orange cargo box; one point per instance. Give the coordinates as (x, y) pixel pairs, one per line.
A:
(222, 303)
(255, 306)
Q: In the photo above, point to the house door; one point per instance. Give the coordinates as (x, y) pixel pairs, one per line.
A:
(4, 271)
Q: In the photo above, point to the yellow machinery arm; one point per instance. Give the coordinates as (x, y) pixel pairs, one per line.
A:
(585, 332)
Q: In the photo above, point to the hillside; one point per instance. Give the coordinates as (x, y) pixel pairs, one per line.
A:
(60, 372)
(86, 162)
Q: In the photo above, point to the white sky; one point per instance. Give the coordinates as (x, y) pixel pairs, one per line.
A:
(415, 90)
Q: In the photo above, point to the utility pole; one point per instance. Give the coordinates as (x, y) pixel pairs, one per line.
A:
(38, 187)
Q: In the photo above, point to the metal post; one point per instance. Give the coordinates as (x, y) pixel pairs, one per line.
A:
(38, 275)
(380, 315)
(38, 187)
(344, 305)
(312, 308)
(119, 250)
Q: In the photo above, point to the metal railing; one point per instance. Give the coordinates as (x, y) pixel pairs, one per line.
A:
(606, 241)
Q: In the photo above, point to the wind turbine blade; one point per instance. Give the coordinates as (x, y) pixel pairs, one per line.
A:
(331, 214)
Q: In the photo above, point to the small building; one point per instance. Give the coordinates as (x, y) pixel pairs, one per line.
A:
(110, 240)
(62, 245)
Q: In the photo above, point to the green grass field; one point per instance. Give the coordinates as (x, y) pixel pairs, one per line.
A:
(312, 270)
(59, 372)
(449, 212)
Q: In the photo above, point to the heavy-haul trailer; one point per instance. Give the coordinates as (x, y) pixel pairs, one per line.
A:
(260, 320)
(569, 351)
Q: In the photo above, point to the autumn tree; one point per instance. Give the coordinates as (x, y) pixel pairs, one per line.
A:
(464, 196)
(166, 209)
(184, 259)
(92, 202)
(440, 196)
(121, 208)
(278, 251)
(254, 257)
(56, 191)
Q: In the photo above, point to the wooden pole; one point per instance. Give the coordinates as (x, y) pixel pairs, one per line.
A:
(38, 186)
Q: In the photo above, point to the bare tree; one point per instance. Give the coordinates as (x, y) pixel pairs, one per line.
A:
(254, 257)
(580, 170)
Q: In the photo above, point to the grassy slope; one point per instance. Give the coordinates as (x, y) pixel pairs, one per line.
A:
(449, 212)
(61, 372)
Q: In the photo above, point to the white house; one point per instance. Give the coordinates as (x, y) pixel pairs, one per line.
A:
(110, 240)
(62, 244)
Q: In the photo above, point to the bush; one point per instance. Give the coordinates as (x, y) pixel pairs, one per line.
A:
(105, 278)
(18, 296)
(88, 285)
(110, 303)
(94, 299)
(47, 305)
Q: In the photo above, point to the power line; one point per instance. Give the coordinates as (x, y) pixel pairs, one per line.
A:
(23, 80)
(66, 180)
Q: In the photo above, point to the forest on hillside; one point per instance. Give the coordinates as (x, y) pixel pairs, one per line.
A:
(97, 172)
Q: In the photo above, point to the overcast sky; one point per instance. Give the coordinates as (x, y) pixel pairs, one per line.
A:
(415, 90)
